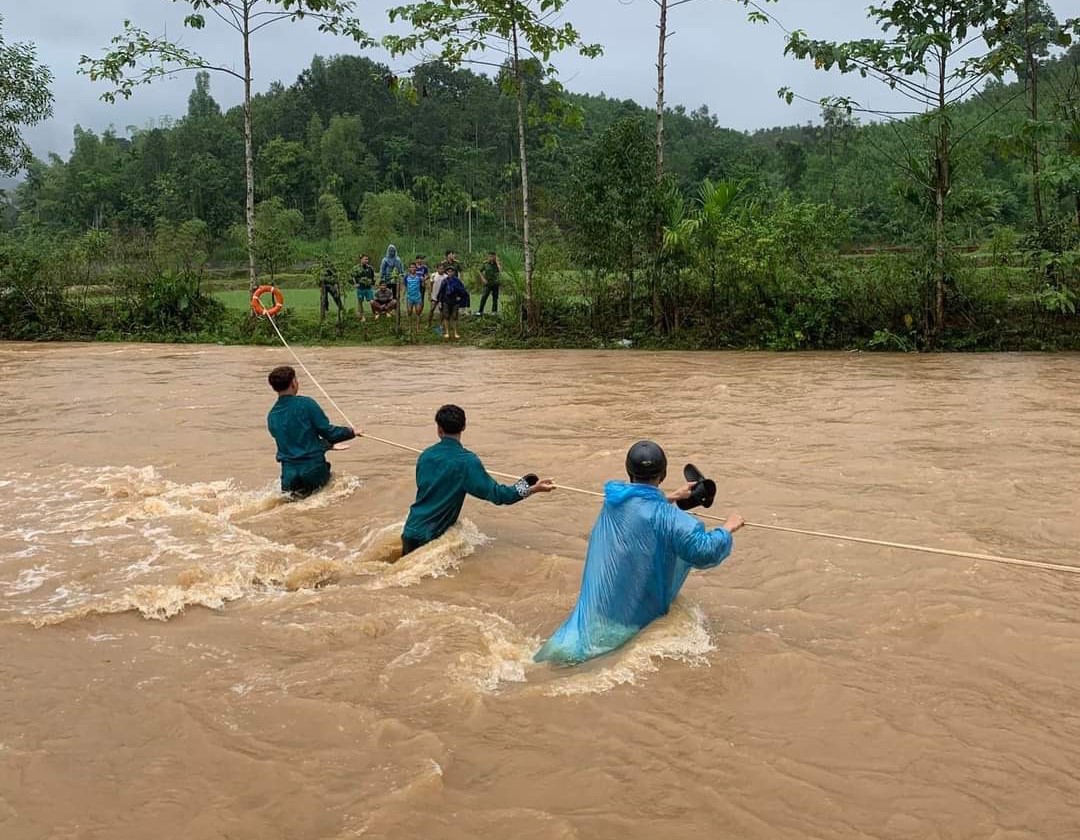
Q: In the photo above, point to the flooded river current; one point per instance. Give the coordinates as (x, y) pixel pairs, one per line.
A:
(183, 655)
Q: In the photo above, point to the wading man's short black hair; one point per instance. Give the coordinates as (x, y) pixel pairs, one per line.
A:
(281, 378)
(451, 419)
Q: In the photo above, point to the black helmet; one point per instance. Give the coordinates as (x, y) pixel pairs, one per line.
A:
(646, 461)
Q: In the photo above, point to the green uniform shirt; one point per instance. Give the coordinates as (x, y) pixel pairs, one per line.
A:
(445, 473)
(363, 276)
(303, 434)
(490, 272)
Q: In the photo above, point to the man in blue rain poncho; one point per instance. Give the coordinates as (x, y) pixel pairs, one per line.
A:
(640, 552)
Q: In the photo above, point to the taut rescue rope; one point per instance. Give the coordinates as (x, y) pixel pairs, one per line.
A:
(924, 549)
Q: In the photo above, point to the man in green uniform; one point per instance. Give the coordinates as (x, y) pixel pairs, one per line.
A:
(363, 278)
(490, 277)
(453, 262)
(328, 288)
(303, 435)
(445, 474)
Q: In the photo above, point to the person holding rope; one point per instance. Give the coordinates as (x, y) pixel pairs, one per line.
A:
(303, 435)
(640, 552)
(447, 472)
(697, 491)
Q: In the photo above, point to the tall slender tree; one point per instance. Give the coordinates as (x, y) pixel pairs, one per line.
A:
(927, 57)
(136, 58)
(758, 15)
(1023, 36)
(525, 30)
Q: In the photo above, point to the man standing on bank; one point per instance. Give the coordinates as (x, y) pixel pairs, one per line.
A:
(445, 473)
(490, 277)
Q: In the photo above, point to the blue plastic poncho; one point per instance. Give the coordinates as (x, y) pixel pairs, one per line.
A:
(640, 552)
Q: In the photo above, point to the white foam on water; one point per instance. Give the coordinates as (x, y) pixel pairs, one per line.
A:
(476, 649)
(28, 580)
(29, 551)
(413, 656)
(164, 525)
(503, 655)
(506, 658)
(681, 636)
(438, 558)
(103, 637)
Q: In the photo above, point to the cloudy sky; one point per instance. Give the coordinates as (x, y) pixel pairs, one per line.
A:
(715, 57)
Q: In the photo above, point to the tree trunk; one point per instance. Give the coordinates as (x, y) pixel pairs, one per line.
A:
(530, 302)
(1033, 113)
(661, 60)
(658, 237)
(941, 191)
(249, 155)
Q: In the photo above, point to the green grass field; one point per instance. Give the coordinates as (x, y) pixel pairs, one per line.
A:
(304, 301)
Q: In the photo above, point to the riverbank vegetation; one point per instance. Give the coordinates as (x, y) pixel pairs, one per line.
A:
(956, 227)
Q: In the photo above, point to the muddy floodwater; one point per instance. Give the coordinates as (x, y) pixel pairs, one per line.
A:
(184, 655)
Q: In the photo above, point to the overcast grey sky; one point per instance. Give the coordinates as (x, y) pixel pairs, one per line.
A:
(715, 57)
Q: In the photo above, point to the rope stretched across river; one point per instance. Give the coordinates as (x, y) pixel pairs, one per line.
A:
(924, 549)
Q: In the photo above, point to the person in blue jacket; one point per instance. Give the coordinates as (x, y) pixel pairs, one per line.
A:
(445, 473)
(640, 552)
(391, 270)
(303, 435)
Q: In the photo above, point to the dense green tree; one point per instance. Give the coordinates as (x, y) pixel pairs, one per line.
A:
(1024, 34)
(348, 169)
(613, 204)
(333, 219)
(183, 247)
(286, 171)
(384, 218)
(25, 100)
(923, 57)
(276, 227)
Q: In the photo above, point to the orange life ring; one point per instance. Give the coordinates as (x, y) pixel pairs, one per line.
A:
(256, 304)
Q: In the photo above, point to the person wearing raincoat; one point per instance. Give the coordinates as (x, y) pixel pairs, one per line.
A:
(640, 553)
(391, 270)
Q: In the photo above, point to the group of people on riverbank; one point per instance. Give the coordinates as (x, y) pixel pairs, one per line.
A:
(414, 285)
(641, 550)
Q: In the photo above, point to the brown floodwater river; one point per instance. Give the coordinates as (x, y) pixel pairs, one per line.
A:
(184, 655)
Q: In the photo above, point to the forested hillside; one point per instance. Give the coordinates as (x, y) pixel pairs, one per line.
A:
(339, 129)
(817, 235)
